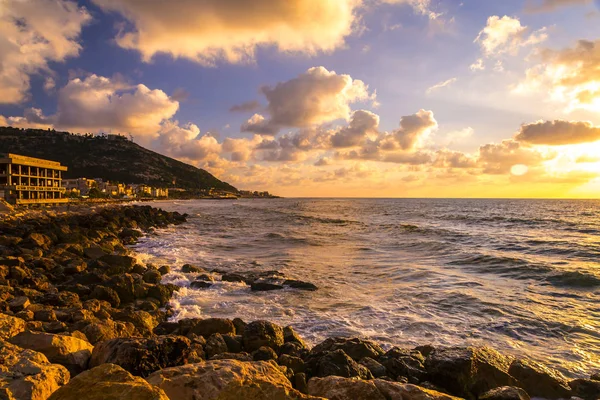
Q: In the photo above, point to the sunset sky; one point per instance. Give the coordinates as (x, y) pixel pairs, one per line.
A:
(361, 98)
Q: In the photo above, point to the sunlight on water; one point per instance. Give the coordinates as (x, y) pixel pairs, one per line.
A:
(521, 276)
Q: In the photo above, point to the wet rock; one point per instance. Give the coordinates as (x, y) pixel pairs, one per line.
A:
(338, 363)
(162, 293)
(407, 363)
(234, 343)
(19, 303)
(200, 285)
(296, 284)
(231, 277)
(586, 389)
(262, 333)
(264, 354)
(225, 380)
(142, 356)
(376, 369)
(215, 344)
(293, 349)
(300, 382)
(189, 268)
(107, 294)
(166, 328)
(10, 326)
(469, 372)
(290, 335)
(108, 382)
(538, 380)
(240, 325)
(264, 286)
(152, 276)
(124, 286)
(296, 364)
(338, 388)
(27, 374)
(69, 351)
(164, 269)
(505, 393)
(356, 348)
(207, 327)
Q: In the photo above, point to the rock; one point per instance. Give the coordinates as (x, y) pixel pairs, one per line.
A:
(106, 330)
(28, 375)
(45, 315)
(293, 349)
(230, 277)
(166, 328)
(143, 321)
(595, 376)
(538, 380)
(262, 333)
(234, 343)
(356, 348)
(19, 303)
(377, 370)
(505, 393)
(232, 356)
(264, 354)
(586, 389)
(94, 252)
(296, 364)
(189, 268)
(152, 276)
(19, 274)
(165, 269)
(161, 292)
(200, 285)
(123, 285)
(107, 294)
(407, 363)
(71, 352)
(338, 388)
(118, 264)
(225, 380)
(215, 345)
(296, 284)
(108, 382)
(264, 286)
(11, 261)
(63, 299)
(207, 327)
(290, 335)
(142, 356)
(469, 372)
(240, 325)
(338, 363)
(300, 382)
(37, 240)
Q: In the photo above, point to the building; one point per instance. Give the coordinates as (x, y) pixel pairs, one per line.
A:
(28, 180)
(79, 186)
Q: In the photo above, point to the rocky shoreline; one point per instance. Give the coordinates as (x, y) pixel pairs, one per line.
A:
(81, 318)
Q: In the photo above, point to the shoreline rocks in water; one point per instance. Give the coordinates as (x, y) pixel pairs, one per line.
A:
(81, 318)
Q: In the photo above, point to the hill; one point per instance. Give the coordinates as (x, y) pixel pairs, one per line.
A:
(113, 158)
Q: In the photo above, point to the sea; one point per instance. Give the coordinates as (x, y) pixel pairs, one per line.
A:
(521, 276)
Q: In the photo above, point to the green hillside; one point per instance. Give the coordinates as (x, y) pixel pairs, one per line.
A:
(113, 158)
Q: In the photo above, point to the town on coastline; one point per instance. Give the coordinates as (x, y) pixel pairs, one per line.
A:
(28, 180)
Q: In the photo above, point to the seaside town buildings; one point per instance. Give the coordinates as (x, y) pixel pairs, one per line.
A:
(29, 180)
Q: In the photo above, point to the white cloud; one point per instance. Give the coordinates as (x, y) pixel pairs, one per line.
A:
(33, 33)
(207, 31)
(362, 124)
(507, 35)
(185, 142)
(441, 85)
(477, 65)
(313, 98)
(422, 7)
(555, 133)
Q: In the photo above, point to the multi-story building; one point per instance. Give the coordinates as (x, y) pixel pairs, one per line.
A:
(79, 186)
(28, 180)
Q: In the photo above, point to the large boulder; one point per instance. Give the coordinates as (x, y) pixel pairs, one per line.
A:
(118, 264)
(262, 333)
(338, 363)
(587, 389)
(356, 348)
(108, 329)
(108, 382)
(27, 374)
(10, 326)
(207, 327)
(404, 363)
(225, 380)
(505, 393)
(469, 372)
(142, 356)
(539, 380)
(69, 351)
(338, 388)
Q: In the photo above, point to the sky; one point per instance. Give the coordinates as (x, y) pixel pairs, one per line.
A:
(324, 98)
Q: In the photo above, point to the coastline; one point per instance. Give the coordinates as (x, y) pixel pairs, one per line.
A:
(69, 277)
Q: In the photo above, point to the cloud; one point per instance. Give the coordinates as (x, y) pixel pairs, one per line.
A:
(312, 98)
(507, 35)
(422, 7)
(97, 103)
(362, 124)
(441, 85)
(185, 142)
(571, 75)
(32, 118)
(32, 34)
(477, 65)
(248, 106)
(207, 31)
(551, 5)
(453, 159)
(555, 133)
(501, 158)
(414, 129)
